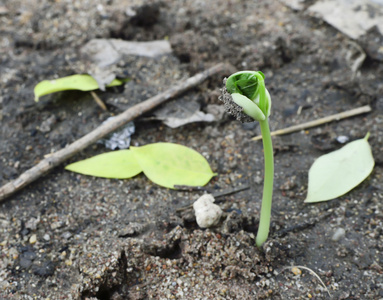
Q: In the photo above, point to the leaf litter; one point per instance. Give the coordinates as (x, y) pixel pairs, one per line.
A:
(165, 164)
(334, 174)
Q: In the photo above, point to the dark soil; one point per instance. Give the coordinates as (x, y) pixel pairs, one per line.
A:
(69, 236)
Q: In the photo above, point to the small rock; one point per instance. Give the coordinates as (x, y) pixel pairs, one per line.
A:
(25, 231)
(56, 225)
(68, 262)
(46, 237)
(207, 213)
(289, 184)
(13, 253)
(258, 179)
(233, 222)
(338, 234)
(46, 268)
(32, 223)
(26, 259)
(46, 125)
(133, 229)
(66, 235)
(29, 255)
(33, 239)
(25, 263)
(296, 271)
(342, 139)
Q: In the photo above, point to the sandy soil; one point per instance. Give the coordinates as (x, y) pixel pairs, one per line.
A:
(69, 236)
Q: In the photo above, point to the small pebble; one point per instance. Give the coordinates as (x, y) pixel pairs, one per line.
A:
(258, 179)
(33, 239)
(338, 234)
(46, 237)
(342, 139)
(66, 235)
(32, 223)
(296, 271)
(25, 263)
(207, 213)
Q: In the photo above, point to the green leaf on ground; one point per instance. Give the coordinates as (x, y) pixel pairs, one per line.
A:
(168, 164)
(116, 164)
(336, 173)
(80, 82)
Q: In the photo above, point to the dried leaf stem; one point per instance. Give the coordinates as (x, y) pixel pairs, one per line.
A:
(98, 100)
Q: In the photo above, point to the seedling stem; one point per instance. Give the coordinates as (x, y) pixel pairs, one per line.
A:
(246, 97)
(264, 221)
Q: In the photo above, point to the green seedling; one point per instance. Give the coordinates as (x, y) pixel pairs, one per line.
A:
(246, 97)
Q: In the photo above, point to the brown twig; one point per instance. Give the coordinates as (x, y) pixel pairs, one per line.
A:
(130, 114)
(336, 117)
(98, 101)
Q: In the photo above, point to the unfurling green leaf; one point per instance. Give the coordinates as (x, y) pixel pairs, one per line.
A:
(336, 173)
(116, 164)
(246, 83)
(75, 82)
(168, 164)
(250, 85)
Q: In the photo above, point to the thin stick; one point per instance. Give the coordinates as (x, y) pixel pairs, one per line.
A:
(98, 100)
(130, 114)
(336, 117)
(230, 191)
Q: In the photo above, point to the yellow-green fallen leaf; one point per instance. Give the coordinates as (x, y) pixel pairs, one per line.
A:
(80, 82)
(336, 173)
(116, 164)
(168, 164)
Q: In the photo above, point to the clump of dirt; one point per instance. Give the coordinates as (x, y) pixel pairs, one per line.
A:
(69, 236)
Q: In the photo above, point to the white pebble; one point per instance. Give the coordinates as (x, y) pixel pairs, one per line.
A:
(338, 234)
(342, 139)
(207, 213)
(33, 239)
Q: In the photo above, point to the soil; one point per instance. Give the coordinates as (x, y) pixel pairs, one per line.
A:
(68, 236)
